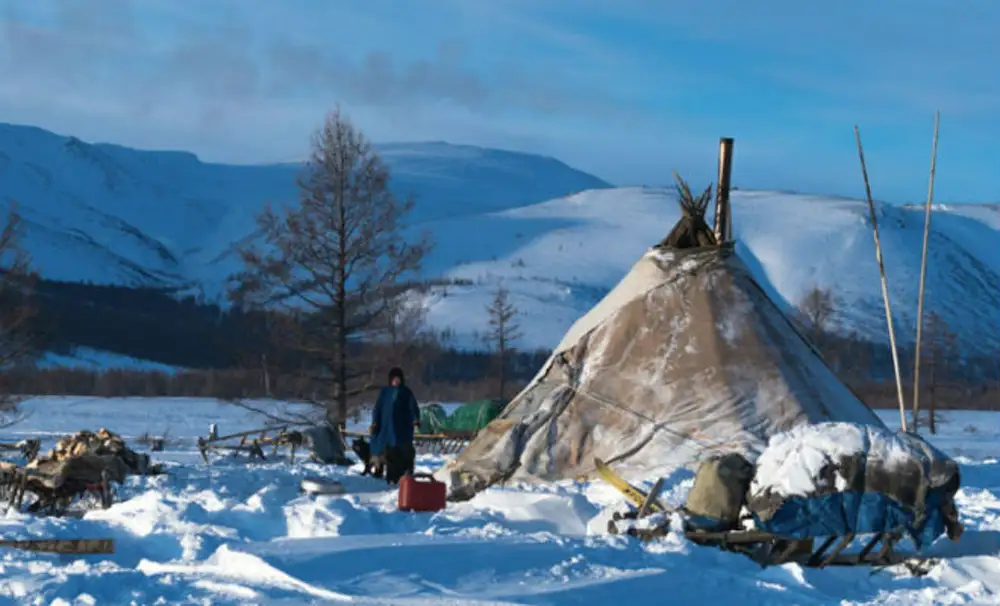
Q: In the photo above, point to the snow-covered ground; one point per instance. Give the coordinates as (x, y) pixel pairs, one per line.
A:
(234, 533)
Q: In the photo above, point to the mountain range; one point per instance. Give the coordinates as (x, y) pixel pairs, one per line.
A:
(556, 237)
(109, 214)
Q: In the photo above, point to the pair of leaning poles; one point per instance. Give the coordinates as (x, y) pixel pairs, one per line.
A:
(885, 286)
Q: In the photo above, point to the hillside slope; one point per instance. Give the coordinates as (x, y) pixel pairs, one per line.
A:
(560, 257)
(110, 214)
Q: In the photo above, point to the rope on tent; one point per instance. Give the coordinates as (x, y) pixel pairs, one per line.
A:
(657, 426)
(685, 439)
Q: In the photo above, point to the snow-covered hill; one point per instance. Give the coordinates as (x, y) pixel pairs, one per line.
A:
(558, 258)
(110, 214)
(106, 213)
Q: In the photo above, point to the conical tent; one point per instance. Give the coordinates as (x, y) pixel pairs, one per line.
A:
(685, 357)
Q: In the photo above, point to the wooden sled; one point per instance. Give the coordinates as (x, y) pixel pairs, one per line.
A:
(764, 548)
(26, 448)
(253, 443)
(57, 501)
(445, 443)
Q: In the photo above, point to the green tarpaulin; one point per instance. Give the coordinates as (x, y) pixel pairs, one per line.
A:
(432, 419)
(474, 416)
(467, 418)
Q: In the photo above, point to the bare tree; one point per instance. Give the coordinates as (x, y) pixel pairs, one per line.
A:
(816, 311)
(329, 263)
(405, 323)
(504, 331)
(854, 358)
(408, 342)
(942, 343)
(17, 343)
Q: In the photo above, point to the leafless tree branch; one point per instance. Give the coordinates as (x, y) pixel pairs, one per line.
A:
(329, 263)
(816, 311)
(287, 418)
(504, 331)
(17, 342)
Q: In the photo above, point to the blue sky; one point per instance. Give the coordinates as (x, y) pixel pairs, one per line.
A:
(629, 90)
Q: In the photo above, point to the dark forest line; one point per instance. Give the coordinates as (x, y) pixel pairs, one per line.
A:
(212, 344)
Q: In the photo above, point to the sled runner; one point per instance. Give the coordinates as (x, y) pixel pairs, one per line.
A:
(764, 548)
(767, 549)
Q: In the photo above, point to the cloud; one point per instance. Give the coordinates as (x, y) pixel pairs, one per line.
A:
(377, 77)
(116, 48)
(629, 89)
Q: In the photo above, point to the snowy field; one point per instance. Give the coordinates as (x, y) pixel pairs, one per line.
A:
(234, 533)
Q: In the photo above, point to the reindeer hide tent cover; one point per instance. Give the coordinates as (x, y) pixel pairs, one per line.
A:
(686, 357)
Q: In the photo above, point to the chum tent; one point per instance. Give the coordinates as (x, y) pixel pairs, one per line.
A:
(685, 357)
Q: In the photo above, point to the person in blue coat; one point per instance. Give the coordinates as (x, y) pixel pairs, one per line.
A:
(394, 422)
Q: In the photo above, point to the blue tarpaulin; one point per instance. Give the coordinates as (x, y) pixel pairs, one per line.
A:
(844, 478)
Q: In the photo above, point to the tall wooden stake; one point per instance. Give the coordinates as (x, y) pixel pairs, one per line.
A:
(923, 277)
(885, 284)
(723, 222)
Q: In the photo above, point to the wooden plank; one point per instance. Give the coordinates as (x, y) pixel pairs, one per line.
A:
(841, 546)
(65, 546)
(818, 554)
(871, 545)
(647, 504)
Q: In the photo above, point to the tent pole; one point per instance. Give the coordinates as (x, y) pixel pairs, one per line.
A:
(723, 223)
(923, 276)
(885, 285)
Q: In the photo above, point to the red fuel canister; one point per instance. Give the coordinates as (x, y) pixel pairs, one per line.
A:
(421, 492)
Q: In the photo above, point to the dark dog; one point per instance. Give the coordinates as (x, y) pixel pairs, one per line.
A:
(374, 466)
(398, 463)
